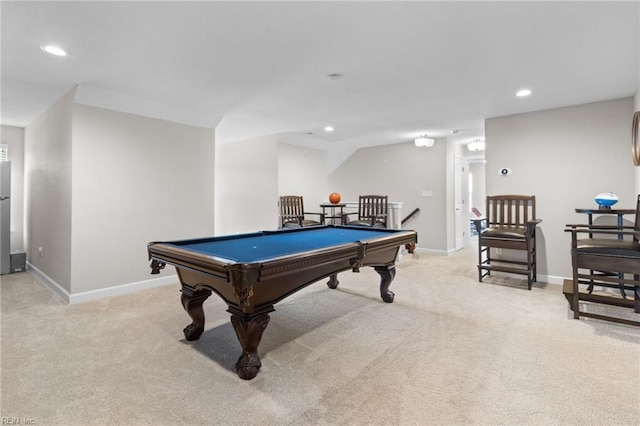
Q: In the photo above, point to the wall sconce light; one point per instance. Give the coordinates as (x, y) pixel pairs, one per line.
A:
(476, 145)
(424, 142)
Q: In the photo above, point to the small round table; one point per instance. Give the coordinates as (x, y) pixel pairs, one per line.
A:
(332, 212)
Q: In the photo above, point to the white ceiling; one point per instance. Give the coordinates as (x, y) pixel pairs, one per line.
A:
(260, 68)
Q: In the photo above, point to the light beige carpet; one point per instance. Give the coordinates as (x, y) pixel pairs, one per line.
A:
(448, 351)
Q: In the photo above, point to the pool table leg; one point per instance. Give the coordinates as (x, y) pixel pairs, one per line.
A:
(387, 273)
(192, 301)
(333, 281)
(249, 331)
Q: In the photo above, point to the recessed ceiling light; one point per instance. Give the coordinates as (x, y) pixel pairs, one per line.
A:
(54, 50)
(523, 92)
(328, 129)
(334, 76)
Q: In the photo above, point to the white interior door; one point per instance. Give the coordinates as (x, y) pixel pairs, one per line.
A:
(461, 219)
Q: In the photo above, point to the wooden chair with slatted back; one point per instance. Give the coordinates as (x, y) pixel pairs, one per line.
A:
(293, 215)
(607, 256)
(373, 211)
(510, 224)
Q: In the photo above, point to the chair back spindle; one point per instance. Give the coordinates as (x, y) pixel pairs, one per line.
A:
(372, 206)
(510, 210)
(291, 205)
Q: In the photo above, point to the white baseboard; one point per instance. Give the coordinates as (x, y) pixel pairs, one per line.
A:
(101, 293)
(552, 279)
(128, 288)
(549, 279)
(54, 286)
(433, 251)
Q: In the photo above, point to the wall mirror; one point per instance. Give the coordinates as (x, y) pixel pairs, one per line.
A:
(635, 128)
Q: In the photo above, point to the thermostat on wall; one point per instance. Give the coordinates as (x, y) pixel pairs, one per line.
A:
(504, 171)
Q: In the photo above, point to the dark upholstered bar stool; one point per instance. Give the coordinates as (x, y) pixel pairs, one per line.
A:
(510, 224)
(602, 259)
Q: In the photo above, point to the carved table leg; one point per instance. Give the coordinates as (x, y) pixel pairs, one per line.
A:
(249, 332)
(386, 276)
(192, 301)
(333, 281)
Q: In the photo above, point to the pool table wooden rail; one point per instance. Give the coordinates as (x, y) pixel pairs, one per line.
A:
(273, 275)
(251, 289)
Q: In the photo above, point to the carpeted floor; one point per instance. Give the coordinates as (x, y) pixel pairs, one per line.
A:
(448, 351)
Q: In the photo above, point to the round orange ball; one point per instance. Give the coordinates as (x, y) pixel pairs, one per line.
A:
(334, 198)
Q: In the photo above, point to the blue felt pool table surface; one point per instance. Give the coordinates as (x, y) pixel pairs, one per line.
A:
(261, 246)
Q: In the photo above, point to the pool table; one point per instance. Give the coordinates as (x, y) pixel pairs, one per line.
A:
(252, 272)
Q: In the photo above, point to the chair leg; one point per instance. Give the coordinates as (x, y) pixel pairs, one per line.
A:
(486, 261)
(479, 261)
(636, 294)
(636, 301)
(621, 286)
(535, 261)
(575, 304)
(529, 266)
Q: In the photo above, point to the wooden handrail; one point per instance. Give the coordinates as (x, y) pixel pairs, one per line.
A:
(410, 215)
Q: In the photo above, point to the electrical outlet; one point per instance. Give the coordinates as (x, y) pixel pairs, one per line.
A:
(40, 251)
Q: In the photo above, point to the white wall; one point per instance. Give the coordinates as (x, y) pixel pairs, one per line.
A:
(135, 180)
(247, 177)
(303, 171)
(564, 157)
(246, 182)
(251, 175)
(47, 159)
(14, 138)
(402, 171)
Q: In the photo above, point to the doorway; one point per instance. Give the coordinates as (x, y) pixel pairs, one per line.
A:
(477, 190)
(460, 211)
(469, 197)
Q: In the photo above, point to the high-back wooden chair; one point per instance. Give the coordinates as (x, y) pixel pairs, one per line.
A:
(607, 256)
(373, 211)
(510, 224)
(292, 213)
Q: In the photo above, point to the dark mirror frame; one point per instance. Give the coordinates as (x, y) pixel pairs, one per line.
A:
(635, 143)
